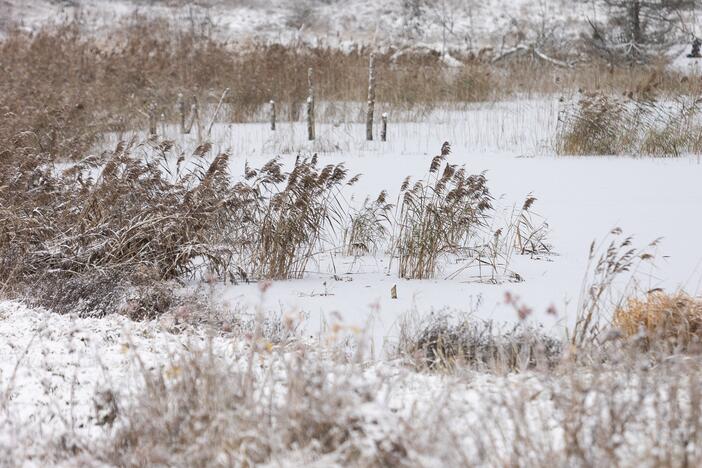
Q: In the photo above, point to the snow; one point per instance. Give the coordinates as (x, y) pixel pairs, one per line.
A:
(54, 367)
(62, 361)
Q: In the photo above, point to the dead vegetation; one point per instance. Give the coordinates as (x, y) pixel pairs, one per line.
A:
(293, 219)
(601, 124)
(671, 319)
(442, 343)
(62, 90)
(120, 231)
(439, 215)
(368, 226)
(200, 409)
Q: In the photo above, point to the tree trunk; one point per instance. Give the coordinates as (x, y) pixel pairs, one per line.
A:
(635, 21)
(371, 98)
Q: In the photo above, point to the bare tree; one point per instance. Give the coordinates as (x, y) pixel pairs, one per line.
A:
(638, 27)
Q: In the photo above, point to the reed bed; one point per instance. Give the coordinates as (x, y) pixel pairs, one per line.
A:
(601, 124)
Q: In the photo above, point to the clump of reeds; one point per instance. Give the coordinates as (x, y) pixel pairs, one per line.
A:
(674, 319)
(292, 220)
(438, 215)
(368, 227)
(601, 124)
(598, 124)
(530, 232)
(608, 266)
(114, 216)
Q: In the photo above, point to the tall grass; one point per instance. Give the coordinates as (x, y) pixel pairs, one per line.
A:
(439, 215)
(293, 219)
(368, 227)
(601, 124)
(62, 89)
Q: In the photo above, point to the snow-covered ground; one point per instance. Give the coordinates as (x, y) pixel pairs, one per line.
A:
(56, 370)
(53, 367)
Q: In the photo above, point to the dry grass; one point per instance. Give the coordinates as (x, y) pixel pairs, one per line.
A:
(294, 218)
(612, 268)
(601, 124)
(368, 226)
(440, 342)
(62, 89)
(439, 215)
(674, 319)
(304, 408)
(105, 233)
(203, 412)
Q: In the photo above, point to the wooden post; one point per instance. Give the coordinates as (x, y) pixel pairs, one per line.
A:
(371, 98)
(384, 128)
(196, 118)
(310, 107)
(273, 115)
(180, 103)
(152, 118)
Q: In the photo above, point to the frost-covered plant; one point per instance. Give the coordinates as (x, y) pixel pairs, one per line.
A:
(291, 214)
(439, 342)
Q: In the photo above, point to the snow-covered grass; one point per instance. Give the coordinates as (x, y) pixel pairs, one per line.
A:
(182, 395)
(79, 392)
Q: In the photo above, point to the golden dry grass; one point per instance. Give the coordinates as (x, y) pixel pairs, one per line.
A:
(676, 318)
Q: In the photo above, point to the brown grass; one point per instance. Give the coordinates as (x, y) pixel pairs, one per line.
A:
(62, 89)
(439, 215)
(673, 318)
(602, 124)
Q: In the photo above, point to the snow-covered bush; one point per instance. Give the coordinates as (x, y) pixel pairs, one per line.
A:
(441, 342)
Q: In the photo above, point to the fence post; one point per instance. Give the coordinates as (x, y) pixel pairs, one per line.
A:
(384, 128)
(310, 107)
(371, 98)
(180, 104)
(152, 118)
(273, 116)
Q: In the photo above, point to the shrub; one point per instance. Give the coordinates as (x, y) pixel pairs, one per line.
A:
(440, 344)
